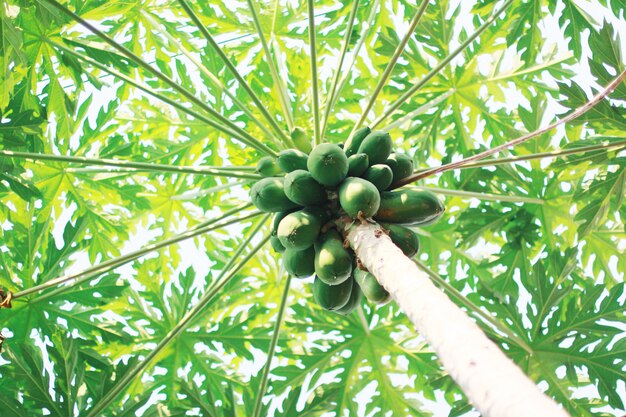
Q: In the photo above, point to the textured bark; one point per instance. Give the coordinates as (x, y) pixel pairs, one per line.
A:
(491, 381)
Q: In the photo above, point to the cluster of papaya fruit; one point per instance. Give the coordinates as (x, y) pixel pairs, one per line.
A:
(312, 189)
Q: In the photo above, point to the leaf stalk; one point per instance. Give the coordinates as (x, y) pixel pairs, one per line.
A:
(143, 87)
(483, 196)
(223, 279)
(283, 97)
(391, 64)
(554, 154)
(144, 166)
(214, 80)
(171, 83)
(232, 68)
(95, 270)
(314, 84)
(396, 104)
(572, 116)
(344, 49)
(258, 402)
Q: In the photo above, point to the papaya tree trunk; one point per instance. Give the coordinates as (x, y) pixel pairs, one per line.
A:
(495, 385)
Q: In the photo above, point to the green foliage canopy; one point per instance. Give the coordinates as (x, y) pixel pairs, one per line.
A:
(532, 248)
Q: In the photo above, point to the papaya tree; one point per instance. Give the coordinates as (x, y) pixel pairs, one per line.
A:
(314, 208)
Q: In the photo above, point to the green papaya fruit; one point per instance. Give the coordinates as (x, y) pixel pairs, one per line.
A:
(433, 220)
(322, 214)
(276, 221)
(332, 297)
(276, 245)
(268, 195)
(380, 175)
(370, 287)
(328, 164)
(277, 218)
(352, 144)
(301, 188)
(274, 241)
(268, 167)
(298, 230)
(404, 238)
(299, 263)
(401, 165)
(333, 262)
(299, 138)
(357, 164)
(357, 194)
(409, 206)
(353, 301)
(292, 159)
(392, 163)
(377, 145)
